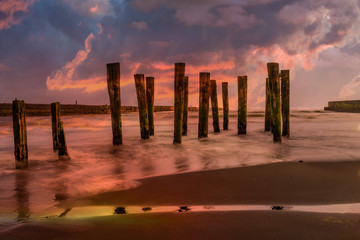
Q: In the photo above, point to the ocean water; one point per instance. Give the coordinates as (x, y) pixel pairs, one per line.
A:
(97, 166)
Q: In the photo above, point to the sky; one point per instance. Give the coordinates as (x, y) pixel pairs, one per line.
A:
(57, 50)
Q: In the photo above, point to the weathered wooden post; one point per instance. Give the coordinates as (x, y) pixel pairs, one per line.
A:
(62, 142)
(273, 74)
(113, 82)
(143, 111)
(214, 105)
(150, 103)
(186, 106)
(285, 101)
(203, 104)
(55, 119)
(179, 101)
(242, 104)
(20, 137)
(225, 97)
(267, 106)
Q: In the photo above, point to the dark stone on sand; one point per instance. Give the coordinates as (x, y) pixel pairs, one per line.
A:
(120, 210)
(146, 209)
(277, 208)
(183, 209)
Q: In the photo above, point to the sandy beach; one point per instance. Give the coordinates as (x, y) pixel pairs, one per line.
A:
(279, 184)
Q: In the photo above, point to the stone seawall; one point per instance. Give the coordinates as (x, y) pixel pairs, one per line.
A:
(72, 109)
(344, 106)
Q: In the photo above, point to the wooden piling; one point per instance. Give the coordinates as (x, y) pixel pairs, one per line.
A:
(143, 111)
(273, 75)
(268, 122)
(179, 76)
(285, 102)
(20, 136)
(242, 104)
(63, 152)
(113, 82)
(214, 105)
(55, 118)
(204, 78)
(225, 97)
(150, 103)
(186, 106)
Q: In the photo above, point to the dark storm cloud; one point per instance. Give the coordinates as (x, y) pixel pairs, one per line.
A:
(62, 46)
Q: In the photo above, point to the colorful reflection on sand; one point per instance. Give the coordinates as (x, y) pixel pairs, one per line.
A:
(97, 166)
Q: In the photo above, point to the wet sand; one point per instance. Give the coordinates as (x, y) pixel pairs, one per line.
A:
(288, 184)
(278, 183)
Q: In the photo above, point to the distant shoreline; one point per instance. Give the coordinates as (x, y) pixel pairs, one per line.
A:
(76, 109)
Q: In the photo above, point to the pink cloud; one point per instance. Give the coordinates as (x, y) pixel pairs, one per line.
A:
(65, 78)
(91, 7)
(9, 7)
(4, 68)
(94, 9)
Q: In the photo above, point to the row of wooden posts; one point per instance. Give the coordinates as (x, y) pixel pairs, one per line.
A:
(277, 103)
(20, 134)
(277, 107)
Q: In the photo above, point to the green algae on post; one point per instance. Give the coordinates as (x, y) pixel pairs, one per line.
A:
(55, 121)
(150, 103)
(143, 111)
(225, 97)
(186, 106)
(214, 105)
(273, 75)
(63, 152)
(242, 104)
(285, 102)
(204, 78)
(20, 135)
(113, 83)
(179, 76)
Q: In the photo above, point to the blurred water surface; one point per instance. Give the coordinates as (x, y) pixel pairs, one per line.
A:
(97, 166)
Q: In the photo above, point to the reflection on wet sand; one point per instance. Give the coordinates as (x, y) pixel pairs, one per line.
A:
(97, 166)
(61, 185)
(22, 194)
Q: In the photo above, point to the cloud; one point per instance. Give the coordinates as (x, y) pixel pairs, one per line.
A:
(4, 67)
(12, 11)
(217, 16)
(65, 78)
(226, 37)
(159, 44)
(205, 12)
(351, 90)
(318, 24)
(139, 25)
(97, 8)
(94, 9)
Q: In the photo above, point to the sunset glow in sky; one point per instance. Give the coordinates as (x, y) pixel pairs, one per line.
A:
(57, 50)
